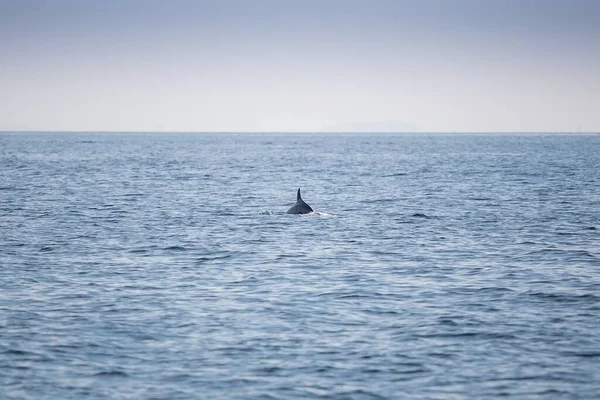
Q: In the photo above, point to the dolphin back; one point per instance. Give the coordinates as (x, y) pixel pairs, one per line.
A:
(300, 207)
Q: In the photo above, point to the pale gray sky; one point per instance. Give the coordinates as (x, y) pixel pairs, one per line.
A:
(232, 65)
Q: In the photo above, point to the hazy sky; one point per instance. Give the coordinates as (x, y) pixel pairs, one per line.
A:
(232, 65)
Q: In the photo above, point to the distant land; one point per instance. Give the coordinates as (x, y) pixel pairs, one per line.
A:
(372, 126)
(354, 128)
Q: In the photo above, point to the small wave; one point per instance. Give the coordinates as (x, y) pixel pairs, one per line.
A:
(480, 198)
(245, 280)
(564, 297)
(118, 212)
(447, 321)
(27, 355)
(175, 248)
(565, 233)
(208, 259)
(112, 373)
(370, 295)
(421, 215)
(286, 256)
(138, 251)
(16, 352)
(396, 174)
(11, 188)
(560, 253)
(352, 296)
(379, 201)
(357, 393)
(478, 335)
(528, 242)
(493, 289)
(311, 214)
(590, 354)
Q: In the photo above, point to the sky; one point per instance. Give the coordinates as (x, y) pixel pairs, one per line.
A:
(279, 66)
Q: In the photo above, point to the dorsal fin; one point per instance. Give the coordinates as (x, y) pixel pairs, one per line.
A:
(300, 207)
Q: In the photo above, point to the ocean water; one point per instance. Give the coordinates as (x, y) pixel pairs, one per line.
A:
(163, 266)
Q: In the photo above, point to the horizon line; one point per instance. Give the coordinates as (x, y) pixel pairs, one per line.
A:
(298, 132)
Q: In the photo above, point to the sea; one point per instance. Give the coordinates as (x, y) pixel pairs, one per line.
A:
(164, 266)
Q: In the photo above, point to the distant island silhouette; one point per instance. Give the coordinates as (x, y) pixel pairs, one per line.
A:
(372, 126)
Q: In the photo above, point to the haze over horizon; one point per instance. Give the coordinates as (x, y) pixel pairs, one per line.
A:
(437, 66)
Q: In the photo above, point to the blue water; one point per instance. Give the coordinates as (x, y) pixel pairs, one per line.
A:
(164, 266)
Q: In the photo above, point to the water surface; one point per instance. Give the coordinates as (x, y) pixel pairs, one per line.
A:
(163, 266)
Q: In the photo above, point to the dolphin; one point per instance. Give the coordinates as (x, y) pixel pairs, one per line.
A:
(300, 207)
